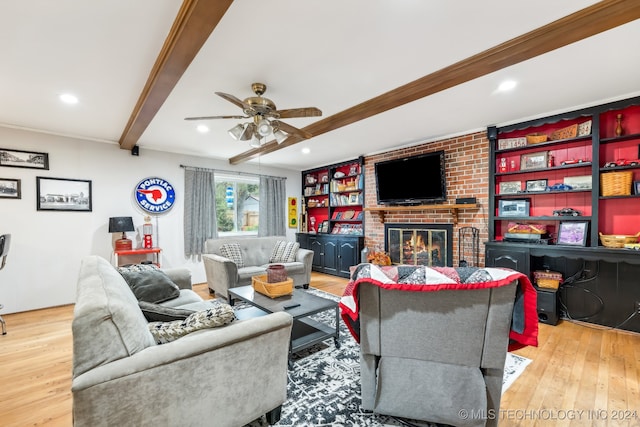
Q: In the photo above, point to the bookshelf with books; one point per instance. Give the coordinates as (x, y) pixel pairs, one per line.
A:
(333, 226)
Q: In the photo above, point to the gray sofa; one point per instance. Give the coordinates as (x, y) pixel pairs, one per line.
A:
(430, 355)
(225, 376)
(222, 273)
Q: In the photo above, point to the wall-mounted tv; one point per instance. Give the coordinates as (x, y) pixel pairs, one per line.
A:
(412, 180)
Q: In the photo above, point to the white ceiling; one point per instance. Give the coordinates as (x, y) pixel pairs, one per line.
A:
(331, 54)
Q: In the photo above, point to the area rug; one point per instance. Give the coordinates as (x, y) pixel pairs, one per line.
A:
(324, 385)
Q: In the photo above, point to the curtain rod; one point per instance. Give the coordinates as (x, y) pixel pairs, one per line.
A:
(233, 172)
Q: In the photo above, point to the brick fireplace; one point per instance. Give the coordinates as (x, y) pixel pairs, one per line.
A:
(419, 244)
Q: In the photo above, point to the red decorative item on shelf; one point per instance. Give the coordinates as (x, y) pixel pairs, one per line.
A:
(503, 165)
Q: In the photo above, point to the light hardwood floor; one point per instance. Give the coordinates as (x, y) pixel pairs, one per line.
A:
(576, 367)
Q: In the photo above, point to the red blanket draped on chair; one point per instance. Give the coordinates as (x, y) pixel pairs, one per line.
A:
(524, 330)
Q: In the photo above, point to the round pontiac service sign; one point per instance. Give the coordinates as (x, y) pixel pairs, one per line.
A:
(155, 195)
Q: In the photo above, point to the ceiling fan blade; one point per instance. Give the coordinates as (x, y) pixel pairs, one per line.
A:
(294, 130)
(299, 112)
(216, 117)
(235, 101)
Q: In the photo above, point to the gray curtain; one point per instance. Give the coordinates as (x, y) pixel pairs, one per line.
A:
(273, 207)
(200, 217)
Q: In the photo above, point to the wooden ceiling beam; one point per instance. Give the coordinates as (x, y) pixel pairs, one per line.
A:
(192, 27)
(600, 17)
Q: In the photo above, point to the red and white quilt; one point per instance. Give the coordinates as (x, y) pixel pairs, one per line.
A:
(524, 330)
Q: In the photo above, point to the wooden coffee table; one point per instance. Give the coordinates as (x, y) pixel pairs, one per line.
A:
(305, 332)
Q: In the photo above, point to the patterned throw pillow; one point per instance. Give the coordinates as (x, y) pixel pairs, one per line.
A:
(284, 251)
(163, 332)
(233, 252)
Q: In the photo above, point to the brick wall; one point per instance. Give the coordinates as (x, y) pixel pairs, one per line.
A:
(466, 162)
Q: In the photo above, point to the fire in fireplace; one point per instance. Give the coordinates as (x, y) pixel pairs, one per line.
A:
(419, 244)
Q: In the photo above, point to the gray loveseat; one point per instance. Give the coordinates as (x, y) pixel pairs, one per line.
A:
(222, 273)
(225, 376)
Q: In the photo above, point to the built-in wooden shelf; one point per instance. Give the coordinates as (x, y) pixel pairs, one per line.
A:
(453, 207)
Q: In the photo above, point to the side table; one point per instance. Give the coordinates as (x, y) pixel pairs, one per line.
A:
(155, 252)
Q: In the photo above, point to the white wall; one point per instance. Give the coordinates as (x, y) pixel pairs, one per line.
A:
(47, 246)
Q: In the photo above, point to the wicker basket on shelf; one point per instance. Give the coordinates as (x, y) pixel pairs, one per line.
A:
(536, 138)
(616, 183)
(617, 240)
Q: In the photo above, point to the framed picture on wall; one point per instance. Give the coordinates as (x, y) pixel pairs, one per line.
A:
(23, 159)
(573, 233)
(62, 194)
(10, 188)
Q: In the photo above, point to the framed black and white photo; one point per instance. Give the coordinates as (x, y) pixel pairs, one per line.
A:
(536, 185)
(62, 194)
(510, 187)
(10, 188)
(515, 207)
(636, 187)
(573, 233)
(324, 227)
(534, 160)
(23, 159)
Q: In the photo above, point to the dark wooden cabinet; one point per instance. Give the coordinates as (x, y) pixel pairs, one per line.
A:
(333, 198)
(333, 218)
(332, 254)
(507, 257)
(531, 165)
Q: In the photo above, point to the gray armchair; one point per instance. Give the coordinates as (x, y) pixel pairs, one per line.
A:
(428, 355)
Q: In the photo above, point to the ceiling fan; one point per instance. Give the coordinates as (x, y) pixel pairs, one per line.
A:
(266, 118)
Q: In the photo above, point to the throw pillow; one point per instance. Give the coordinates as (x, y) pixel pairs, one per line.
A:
(160, 313)
(149, 283)
(233, 252)
(284, 251)
(163, 332)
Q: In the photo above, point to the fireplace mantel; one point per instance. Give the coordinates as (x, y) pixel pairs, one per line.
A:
(453, 207)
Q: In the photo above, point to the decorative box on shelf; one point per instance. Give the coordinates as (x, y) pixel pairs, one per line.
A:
(547, 279)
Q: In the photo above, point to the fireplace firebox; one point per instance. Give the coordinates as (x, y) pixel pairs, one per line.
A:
(419, 244)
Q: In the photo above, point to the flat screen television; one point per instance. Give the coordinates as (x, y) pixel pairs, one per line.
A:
(412, 180)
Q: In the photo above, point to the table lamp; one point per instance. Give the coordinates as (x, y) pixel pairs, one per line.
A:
(122, 224)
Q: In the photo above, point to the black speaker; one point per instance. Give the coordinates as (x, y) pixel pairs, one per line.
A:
(547, 306)
(135, 150)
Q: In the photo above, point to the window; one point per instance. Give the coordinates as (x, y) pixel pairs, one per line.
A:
(237, 204)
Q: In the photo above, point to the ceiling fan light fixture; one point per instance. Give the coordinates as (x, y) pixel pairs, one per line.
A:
(280, 136)
(237, 131)
(248, 132)
(264, 127)
(255, 141)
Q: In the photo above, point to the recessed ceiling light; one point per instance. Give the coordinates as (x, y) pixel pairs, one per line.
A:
(306, 150)
(507, 85)
(67, 98)
(202, 129)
